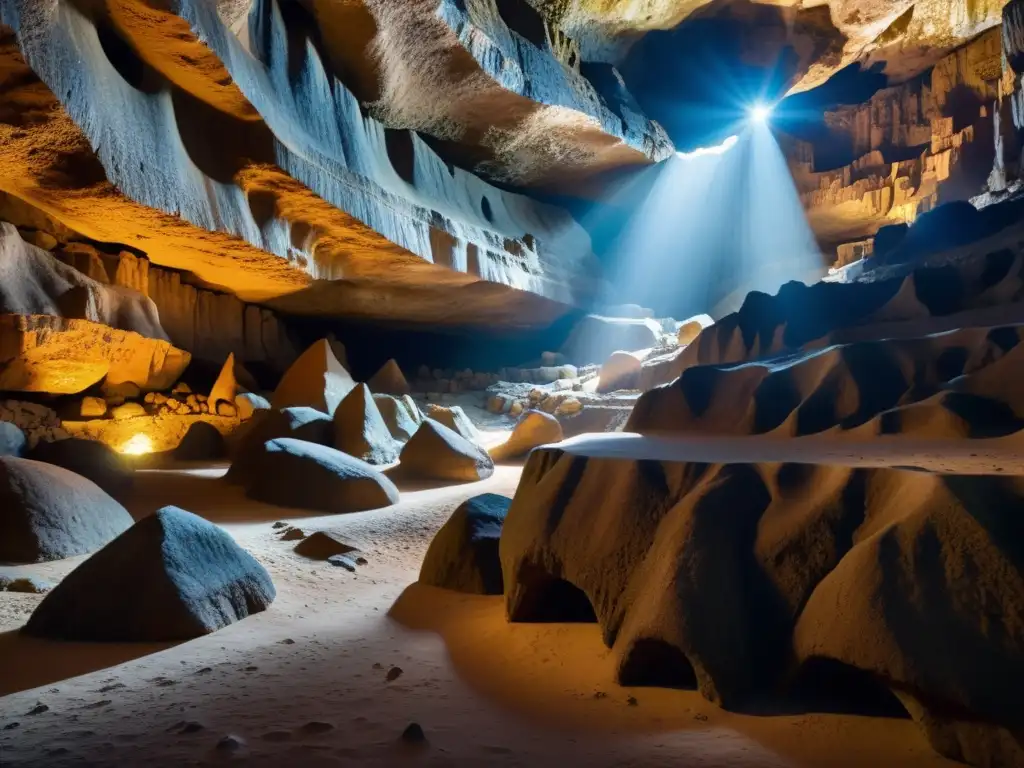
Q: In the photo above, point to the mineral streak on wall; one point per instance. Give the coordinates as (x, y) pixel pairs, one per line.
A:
(415, 223)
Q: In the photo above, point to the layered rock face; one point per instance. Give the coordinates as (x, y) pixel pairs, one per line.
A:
(214, 159)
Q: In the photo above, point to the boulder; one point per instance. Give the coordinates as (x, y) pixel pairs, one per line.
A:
(690, 329)
(360, 430)
(620, 371)
(463, 555)
(91, 459)
(92, 408)
(300, 423)
(438, 453)
(595, 338)
(232, 380)
(534, 428)
(315, 380)
(12, 440)
(49, 513)
(247, 403)
(128, 411)
(171, 576)
(202, 442)
(60, 356)
(401, 415)
(389, 380)
(455, 419)
(294, 473)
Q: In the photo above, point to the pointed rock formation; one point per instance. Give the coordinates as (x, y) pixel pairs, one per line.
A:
(171, 576)
(534, 428)
(49, 513)
(232, 381)
(438, 453)
(294, 473)
(401, 415)
(316, 380)
(389, 380)
(455, 419)
(463, 555)
(360, 430)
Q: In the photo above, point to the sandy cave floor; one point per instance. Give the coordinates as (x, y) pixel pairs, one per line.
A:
(304, 683)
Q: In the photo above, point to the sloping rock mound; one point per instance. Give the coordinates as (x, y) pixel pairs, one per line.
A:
(294, 473)
(91, 459)
(49, 513)
(893, 573)
(438, 453)
(360, 430)
(690, 329)
(534, 428)
(307, 424)
(34, 282)
(316, 380)
(620, 371)
(389, 380)
(944, 385)
(202, 442)
(41, 353)
(232, 381)
(400, 414)
(595, 338)
(12, 440)
(171, 576)
(247, 404)
(463, 555)
(455, 419)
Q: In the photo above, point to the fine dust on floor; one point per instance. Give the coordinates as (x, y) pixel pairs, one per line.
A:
(306, 682)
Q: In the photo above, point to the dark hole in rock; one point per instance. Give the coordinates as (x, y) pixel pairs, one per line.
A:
(653, 662)
(824, 685)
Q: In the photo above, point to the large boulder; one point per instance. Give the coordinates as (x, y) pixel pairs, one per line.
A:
(315, 380)
(306, 424)
(12, 439)
(400, 414)
(202, 442)
(294, 473)
(594, 338)
(389, 380)
(171, 576)
(455, 419)
(463, 555)
(438, 453)
(91, 459)
(360, 430)
(533, 429)
(49, 513)
(41, 353)
(620, 371)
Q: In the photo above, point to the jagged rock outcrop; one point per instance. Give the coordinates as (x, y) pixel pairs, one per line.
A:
(436, 452)
(319, 478)
(315, 380)
(360, 430)
(812, 558)
(276, 205)
(43, 353)
(49, 513)
(463, 555)
(171, 576)
(389, 380)
(401, 415)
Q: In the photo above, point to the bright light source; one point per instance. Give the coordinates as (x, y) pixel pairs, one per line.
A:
(139, 445)
(760, 113)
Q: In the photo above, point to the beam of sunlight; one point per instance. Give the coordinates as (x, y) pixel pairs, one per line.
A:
(712, 226)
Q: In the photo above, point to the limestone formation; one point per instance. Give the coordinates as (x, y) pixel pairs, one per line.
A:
(91, 459)
(401, 415)
(202, 442)
(315, 380)
(455, 419)
(534, 428)
(436, 452)
(389, 380)
(294, 473)
(360, 430)
(49, 513)
(463, 555)
(620, 371)
(232, 381)
(40, 353)
(307, 424)
(171, 576)
(812, 558)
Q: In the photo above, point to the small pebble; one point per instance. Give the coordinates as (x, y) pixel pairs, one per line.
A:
(287, 641)
(342, 561)
(632, 701)
(413, 734)
(600, 695)
(38, 709)
(394, 673)
(191, 727)
(279, 524)
(230, 743)
(361, 561)
(11, 726)
(316, 726)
